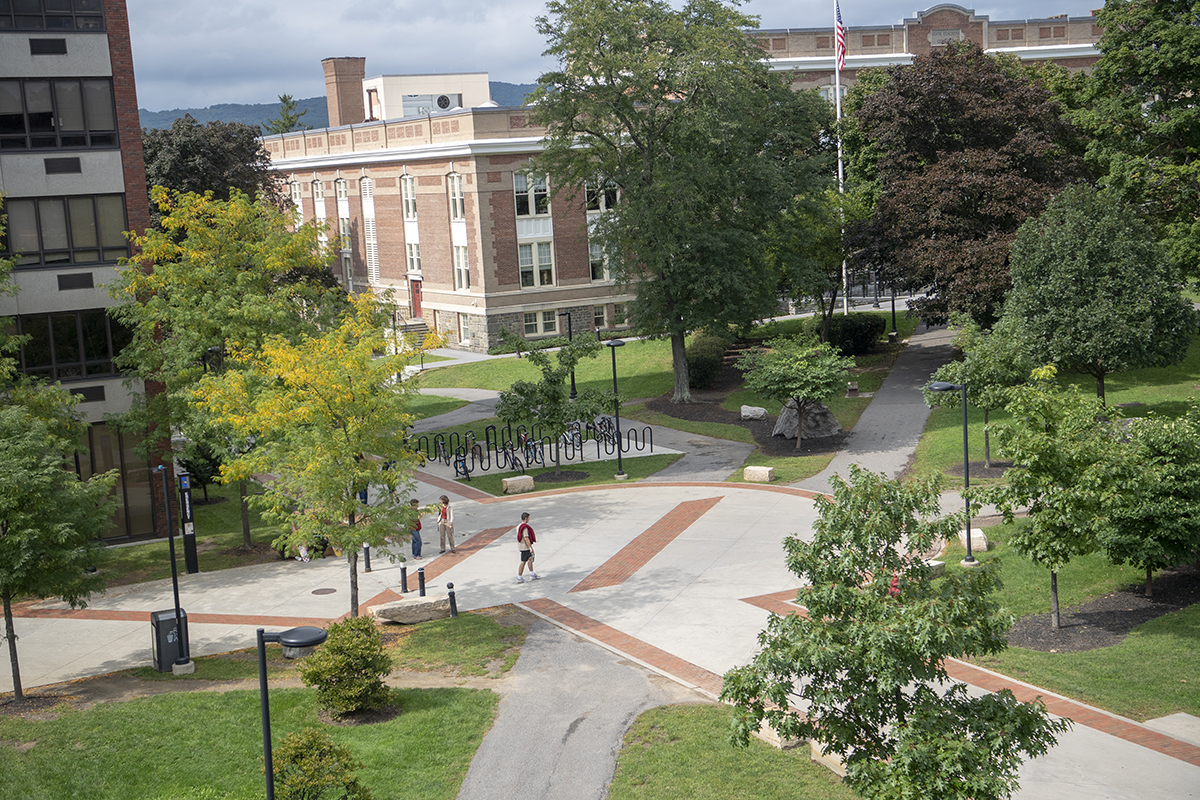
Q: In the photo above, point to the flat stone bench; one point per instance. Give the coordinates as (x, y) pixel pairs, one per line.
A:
(413, 609)
(518, 484)
(758, 474)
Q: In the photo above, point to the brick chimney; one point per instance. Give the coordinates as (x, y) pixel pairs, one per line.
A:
(343, 89)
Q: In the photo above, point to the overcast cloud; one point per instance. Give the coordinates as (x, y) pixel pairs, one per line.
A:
(196, 54)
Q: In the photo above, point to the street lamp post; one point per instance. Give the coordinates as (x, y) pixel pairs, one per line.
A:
(943, 386)
(305, 636)
(182, 658)
(893, 335)
(570, 338)
(613, 344)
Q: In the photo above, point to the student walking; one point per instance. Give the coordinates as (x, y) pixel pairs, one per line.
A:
(414, 531)
(446, 524)
(525, 539)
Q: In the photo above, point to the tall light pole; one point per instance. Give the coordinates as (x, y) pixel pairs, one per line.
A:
(943, 386)
(305, 636)
(570, 338)
(613, 344)
(182, 657)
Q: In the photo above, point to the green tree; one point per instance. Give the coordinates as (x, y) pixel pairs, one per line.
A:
(1092, 291)
(992, 361)
(866, 658)
(1065, 456)
(676, 110)
(547, 402)
(50, 520)
(796, 368)
(288, 120)
(218, 157)
(348, 670)
(966, 147)
(1142, 119)
(327, 416)
(1153, 520)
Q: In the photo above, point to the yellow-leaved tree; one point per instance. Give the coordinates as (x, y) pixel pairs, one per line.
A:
(327, 418)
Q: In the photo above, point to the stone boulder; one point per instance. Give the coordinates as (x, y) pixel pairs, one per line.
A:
(518, 484)
(819, 422)
(412, 609)
(753, 412)
(758, 474)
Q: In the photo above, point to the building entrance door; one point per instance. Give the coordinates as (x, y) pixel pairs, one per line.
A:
(414, 290)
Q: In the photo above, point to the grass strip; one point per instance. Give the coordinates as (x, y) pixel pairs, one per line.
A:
(599, 473)
(472, 644)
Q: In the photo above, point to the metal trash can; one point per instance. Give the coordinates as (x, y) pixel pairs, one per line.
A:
(165, 638)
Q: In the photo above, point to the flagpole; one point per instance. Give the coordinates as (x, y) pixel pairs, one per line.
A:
(839, 56)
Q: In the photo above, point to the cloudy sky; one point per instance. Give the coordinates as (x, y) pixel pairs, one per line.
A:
(195, 54)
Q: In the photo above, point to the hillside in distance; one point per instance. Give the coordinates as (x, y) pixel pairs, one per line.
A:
(505, 94)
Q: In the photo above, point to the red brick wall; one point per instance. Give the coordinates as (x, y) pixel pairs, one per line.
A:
(129, 128)
(570, 237)
(918, 35)
(500, 207)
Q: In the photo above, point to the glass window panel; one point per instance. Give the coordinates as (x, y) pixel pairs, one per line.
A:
(89, 5)
(597, 316)
(53, 218)
(86, 256)
(83, 221)
(121, 336)
(70, 105)
(549, 322)
(39, 107)
(29, 23)
(27, 6)
(525, 259)
(36, 350)
(545, 264)
(65, 328)
(98, 102)
(110, 211)
(73, 140)
(22, 227)
(95, 335)
(530, 322)
(12, 111)
(58, 5)
(59, 24)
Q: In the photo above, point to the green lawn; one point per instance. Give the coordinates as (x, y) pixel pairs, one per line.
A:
(423, 406)
(599, 473)
(1150, 674)
(473, 644)
(683, 753)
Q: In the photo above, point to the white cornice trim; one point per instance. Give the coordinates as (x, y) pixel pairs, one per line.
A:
(1031, 52)
(820, 63)
(467, 149)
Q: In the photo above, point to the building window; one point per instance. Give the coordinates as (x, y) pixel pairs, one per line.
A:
(599, 262)
(318, 190)
(52, 15)
(868, 40)
(540, 322)
(883, 40)
(1002, 35)
(464, 327)
(828, 94)
(533, 196)
(618, 314)
(340, 189)
(296, 195)
(824, 43)
(462, 269)
(602, 196)
(408, 194)
(60, 113)
(1018, 33)
(82, 229)
(458, 201)
(536, 261)
(70, 345)
(414, 257)
(344, 230)
(598, 317)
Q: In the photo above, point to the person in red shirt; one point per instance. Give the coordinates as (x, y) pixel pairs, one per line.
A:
(415, 531)
(525, 539)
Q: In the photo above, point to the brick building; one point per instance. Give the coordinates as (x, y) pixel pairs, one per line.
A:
(431, 199)
(73, 181)
(809, 52)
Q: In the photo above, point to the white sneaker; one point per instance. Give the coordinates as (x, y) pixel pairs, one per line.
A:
(534, 575)
(520, 579)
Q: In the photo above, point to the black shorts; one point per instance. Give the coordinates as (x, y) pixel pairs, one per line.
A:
(526, 555)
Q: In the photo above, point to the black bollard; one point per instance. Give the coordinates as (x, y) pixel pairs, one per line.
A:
(403, 579)
(453, 602)
(366, 557)
(421, 581)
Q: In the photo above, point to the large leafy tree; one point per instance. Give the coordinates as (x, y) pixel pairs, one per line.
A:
(1141, 115)
(1065, 456)
(1092, 290)
(796, 368)
(546, 401)
(677, 111)
(50, 520)
(966, 147)
(992, 361)
(218, 157)
(327, 415)
(866, 659)
(1153, 521)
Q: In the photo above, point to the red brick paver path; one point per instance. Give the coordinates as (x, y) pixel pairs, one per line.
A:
(637, 553)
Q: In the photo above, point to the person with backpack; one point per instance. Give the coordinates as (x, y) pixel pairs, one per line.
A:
(525, 539)
(446, 524)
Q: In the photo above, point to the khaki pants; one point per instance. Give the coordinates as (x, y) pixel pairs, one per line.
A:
(445, 531)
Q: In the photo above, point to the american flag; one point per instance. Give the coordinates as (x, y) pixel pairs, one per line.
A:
(840, 31)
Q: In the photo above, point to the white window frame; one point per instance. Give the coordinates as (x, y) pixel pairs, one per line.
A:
(464, 327)
(340, 189)
(408, 195)
(535, 259)
(297, 193)
(536, 323)
(597, 256)
(318, 190)
(531, 192)
(601, 197)
(619, 316)
(413, 253)
(344, 230)
(370, 231)
(458, 200)
(462, 268)
(599, 317)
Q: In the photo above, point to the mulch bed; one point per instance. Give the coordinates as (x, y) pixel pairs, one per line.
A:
(30, 705)
(1107, 620)
(561, 477)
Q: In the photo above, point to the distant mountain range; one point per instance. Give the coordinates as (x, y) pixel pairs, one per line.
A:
(505, 94)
